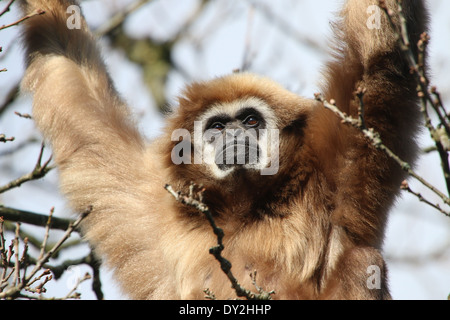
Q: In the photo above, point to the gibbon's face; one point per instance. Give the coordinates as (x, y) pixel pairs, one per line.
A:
(234, 125)
(238, 135)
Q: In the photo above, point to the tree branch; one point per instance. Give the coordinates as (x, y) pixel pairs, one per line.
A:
(39, 171)
(32, 218)
(7, 8)
(3, 138)
(424, 92)
(216, 251)
(31, 15)
(18, 285)
(376, 141)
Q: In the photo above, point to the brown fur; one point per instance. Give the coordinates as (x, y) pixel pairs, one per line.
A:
(311, 231)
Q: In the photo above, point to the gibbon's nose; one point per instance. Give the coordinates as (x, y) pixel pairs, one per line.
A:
(234, 132)
(238, 149)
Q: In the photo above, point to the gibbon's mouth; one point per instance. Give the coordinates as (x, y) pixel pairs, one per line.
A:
(237, 155)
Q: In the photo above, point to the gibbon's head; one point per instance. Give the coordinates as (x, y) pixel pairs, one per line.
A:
(233, 124)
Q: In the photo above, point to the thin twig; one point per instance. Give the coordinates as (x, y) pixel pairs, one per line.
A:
(3, 260)
(216, 251)
(46, 234)
(7, 8)
(23, 115)
(15, 290)
(3, 138)
(33, 218)
(72, 227)
(19, 146)
(417, 67)
(16, 279)
(119, 18)
(75, 295)
(10, 97)
(248, 58)
(37, 12)
(405, 186)
(376, 141)
(39, 171)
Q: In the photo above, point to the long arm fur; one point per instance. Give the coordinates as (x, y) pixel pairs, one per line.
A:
(365, 179)
(75, 104)
(96, 147)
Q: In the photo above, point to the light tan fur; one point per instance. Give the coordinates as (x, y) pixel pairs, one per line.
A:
(311, 231)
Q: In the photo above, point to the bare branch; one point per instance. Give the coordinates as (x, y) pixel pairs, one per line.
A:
(15, 289)
(120, 17)
(7, 8)
(3, 138)
(39, 171)
(31, 15)
(47, 233)
(33, 218)
(376, 141)
(216, 251)
(424, 92)
(23, 115)
(405, 186)
(287, 29)
(10, 97)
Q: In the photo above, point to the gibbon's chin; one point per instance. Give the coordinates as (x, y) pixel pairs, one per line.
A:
(237, 156)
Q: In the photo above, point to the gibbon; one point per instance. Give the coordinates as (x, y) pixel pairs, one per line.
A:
(312, 228)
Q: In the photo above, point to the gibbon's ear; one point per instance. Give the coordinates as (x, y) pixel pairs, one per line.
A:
(298, 117)
(298, 122)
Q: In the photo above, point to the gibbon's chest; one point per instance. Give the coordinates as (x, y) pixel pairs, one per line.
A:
(249, 201)
(281, 258)
(283, 251)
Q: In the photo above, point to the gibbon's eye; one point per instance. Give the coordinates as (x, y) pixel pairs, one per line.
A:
(251, 121)
(218, 126)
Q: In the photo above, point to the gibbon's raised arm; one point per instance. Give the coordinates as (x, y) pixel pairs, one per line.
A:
(76, 106)
(97, 148)
(368, 57)
(364, 180)
(311, 229)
